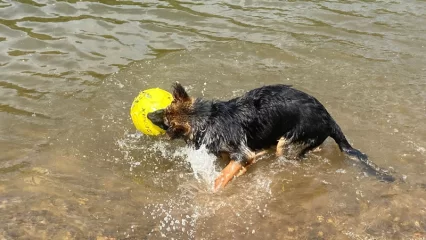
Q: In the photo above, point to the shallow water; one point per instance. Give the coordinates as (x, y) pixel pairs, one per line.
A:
(72, 166)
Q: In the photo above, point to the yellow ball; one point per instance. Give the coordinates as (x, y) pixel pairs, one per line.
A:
(148, 101)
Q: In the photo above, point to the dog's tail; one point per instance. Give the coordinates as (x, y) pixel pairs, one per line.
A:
(344, 146)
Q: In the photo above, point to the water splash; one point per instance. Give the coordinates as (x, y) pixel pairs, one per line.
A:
(201, 161)
(174, 218)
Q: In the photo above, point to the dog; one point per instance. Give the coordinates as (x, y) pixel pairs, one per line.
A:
(274, 115)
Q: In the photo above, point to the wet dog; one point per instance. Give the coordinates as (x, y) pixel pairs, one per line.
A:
(276, 115)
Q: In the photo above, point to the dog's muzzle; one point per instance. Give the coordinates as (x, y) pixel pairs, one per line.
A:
(157, 118)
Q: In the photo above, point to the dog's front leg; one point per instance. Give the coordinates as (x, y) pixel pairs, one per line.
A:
(227, 174)
(250, 162)
(233, 168)
(225, 156)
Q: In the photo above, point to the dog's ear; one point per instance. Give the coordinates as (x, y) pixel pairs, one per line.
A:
(179, 93)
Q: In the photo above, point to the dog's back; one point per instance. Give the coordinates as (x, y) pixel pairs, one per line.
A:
(271, 112)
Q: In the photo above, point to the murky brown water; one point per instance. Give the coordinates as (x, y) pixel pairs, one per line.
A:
(72, 166)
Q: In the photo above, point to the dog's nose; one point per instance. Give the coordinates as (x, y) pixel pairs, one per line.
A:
(157, 118)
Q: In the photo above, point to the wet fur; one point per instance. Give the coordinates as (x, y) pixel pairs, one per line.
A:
(255, 121)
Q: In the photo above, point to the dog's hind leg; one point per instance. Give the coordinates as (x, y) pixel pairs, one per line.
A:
(311, 144)
(282, 143)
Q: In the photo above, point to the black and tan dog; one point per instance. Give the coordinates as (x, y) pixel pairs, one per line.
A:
(276, 115)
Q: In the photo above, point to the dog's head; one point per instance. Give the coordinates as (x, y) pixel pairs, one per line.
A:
(175, 119)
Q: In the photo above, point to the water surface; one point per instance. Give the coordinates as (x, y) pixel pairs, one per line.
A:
(72, 166)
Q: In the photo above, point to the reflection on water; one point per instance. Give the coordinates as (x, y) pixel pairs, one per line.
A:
(73, 166)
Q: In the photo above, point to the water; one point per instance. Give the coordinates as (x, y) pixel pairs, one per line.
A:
(72, 166)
